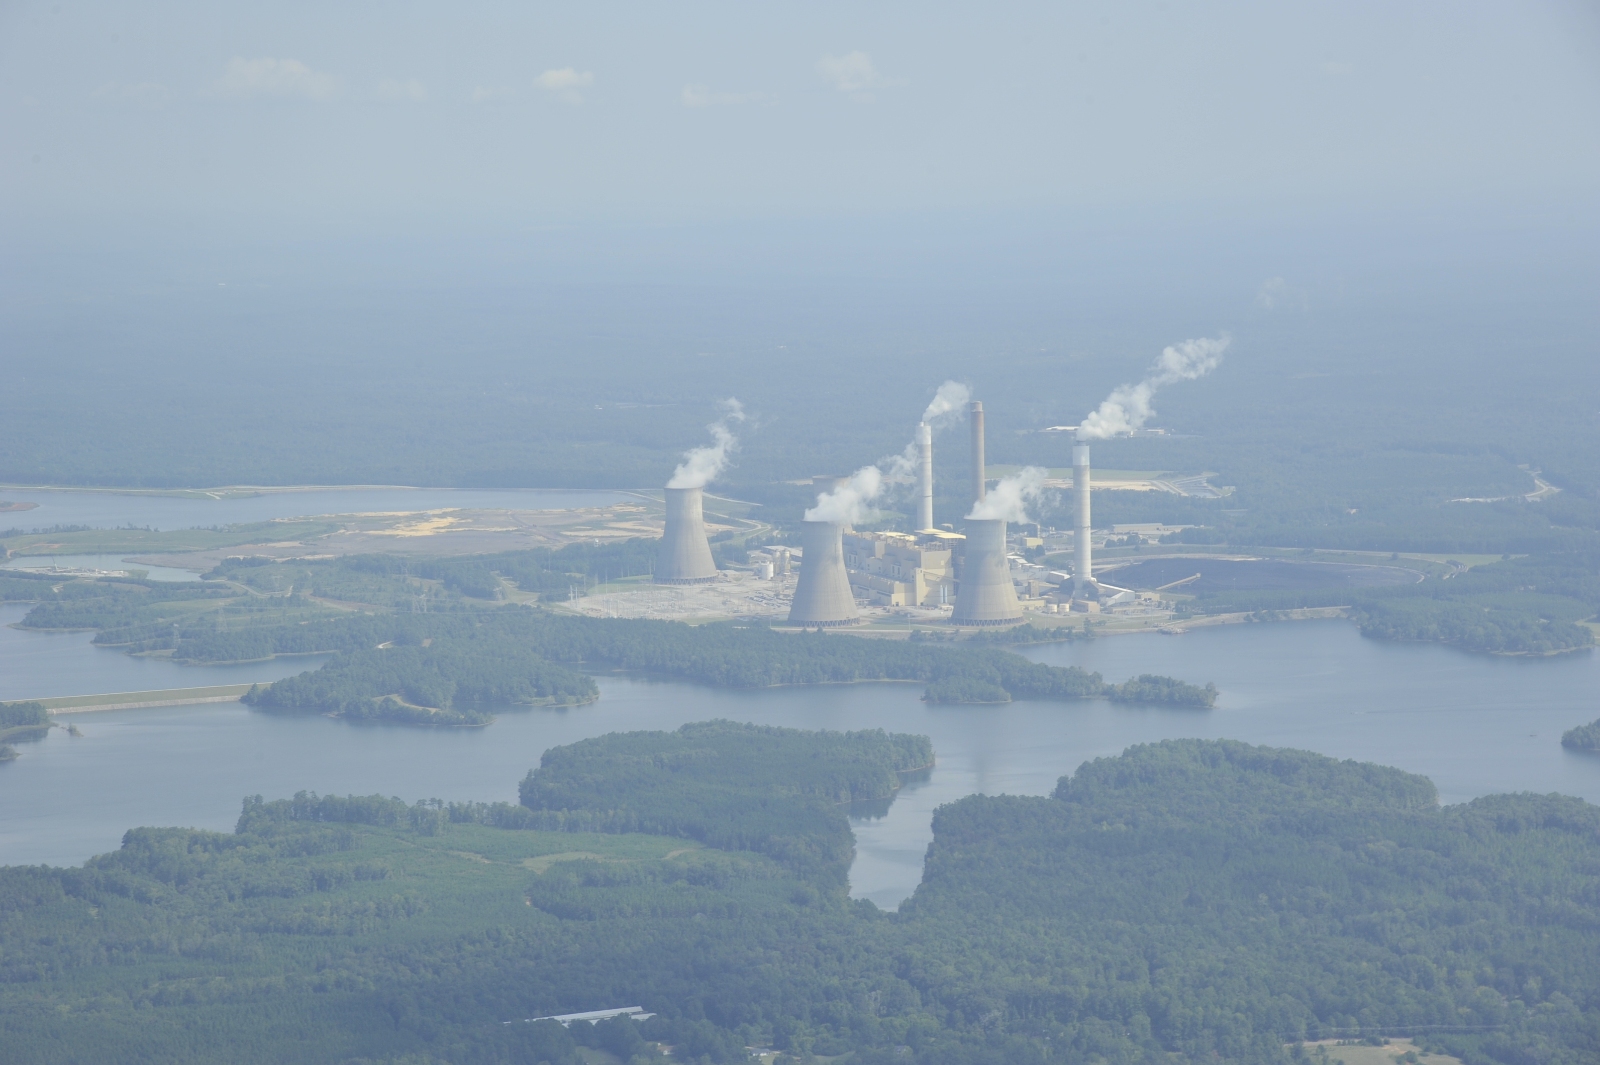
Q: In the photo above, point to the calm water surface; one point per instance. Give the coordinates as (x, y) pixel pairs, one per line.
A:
(1474, 724)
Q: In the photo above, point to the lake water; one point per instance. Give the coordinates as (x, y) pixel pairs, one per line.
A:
(109, 509)
(1475, 724)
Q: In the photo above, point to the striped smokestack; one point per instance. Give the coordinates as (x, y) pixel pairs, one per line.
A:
(925, 503)
(979, 471)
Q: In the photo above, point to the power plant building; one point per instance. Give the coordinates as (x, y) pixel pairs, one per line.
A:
(902, 569)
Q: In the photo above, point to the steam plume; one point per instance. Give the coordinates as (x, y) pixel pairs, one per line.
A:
(1008, 500)
(949, 404)
(1128, 407)
(702, 465)
(951, 399)
(850, 501)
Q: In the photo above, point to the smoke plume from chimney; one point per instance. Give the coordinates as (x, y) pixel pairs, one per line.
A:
(702, 465)
(1128, 406)
(1008, 500)
(851, 500)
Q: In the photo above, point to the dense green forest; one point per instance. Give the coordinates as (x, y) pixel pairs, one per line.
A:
(725, 655)
(1583, 738)
(448, 680)
(1529, 605)
(1188, 901)
(27, 719)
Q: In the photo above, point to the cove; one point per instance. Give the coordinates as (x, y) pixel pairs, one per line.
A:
(1475, 724)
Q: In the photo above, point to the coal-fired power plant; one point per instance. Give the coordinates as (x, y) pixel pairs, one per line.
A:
(925, 481)
(1083, 586)
(685, 554)
(823, 597)
(986, 596)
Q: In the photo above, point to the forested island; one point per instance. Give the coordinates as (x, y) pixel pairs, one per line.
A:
(1583, 738)
(1186, 902)
(22, 720)
(521, 655)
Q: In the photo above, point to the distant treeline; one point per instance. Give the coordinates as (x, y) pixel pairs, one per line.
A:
(1525, 605)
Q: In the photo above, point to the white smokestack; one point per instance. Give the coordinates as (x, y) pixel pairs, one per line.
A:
(925, 502)
(702, 465)
(1128, 406)
(1082, 571)
(979, 470)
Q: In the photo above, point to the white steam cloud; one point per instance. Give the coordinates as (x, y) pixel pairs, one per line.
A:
(1128, 407)
(702, 465)
(951, 399)
(949, 404)
(1008, 500)
(850, 500)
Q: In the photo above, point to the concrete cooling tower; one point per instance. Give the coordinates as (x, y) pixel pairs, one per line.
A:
(822, 596)
(685, 556)
(986, 596)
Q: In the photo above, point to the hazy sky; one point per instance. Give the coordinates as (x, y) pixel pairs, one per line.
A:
(641, 112)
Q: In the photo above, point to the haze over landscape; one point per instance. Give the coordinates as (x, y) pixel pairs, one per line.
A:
(554, 379)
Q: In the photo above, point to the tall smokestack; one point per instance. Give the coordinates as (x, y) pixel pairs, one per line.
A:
(822, 595)
(1082, 566)
(986, 596)
(979, 471)
(925, 505)
(684, 556)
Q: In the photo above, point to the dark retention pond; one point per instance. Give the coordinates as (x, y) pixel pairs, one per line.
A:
(1473, 723)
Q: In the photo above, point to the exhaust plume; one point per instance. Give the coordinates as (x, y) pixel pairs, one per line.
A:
(949, 404)
(951, 399)
(702, 465)
(1128, 406)
(1008, 500)
(851, 501)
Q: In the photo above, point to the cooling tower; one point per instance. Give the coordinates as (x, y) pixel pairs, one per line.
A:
(684, 556)
(925, 503)
(979, 471)
(986, 596)
(1082, 571)
(822, 595)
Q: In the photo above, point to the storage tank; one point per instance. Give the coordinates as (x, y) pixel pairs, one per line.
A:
(684, 556)
(986, 596)
(822, 595)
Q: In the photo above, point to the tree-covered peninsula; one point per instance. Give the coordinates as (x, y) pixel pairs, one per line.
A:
(1185, 902)
(1583, 738)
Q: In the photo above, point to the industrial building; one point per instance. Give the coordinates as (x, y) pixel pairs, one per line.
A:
(902, 569)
